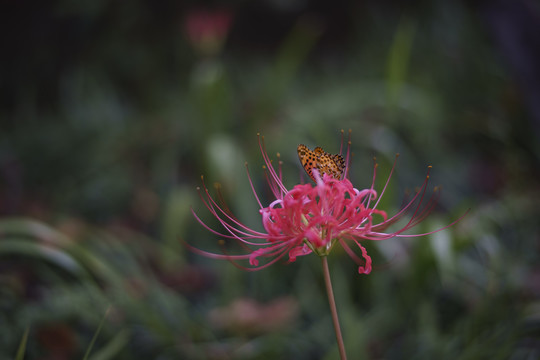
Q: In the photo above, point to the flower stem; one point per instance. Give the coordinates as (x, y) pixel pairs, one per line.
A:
(333, 309)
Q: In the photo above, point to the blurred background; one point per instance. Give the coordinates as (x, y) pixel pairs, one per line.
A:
(112, 110)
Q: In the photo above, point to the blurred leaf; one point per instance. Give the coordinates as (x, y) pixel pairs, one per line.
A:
(291, 56)
(398, 59)
(32, 229)
(22, 346)
(176, 219)
(112, 349)
(98, 330)
(20, 246)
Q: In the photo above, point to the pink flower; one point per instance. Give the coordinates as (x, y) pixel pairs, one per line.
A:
(314, 218)
(207, 29)
(245, 315)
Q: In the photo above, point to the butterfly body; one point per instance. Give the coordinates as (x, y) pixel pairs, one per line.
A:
(325, 163)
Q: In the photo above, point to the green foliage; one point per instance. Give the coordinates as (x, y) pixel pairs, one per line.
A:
(22, 346)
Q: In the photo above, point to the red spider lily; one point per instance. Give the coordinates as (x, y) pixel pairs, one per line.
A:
(313, 218)
(207, 29)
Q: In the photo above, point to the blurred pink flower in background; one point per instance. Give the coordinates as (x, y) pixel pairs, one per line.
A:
(207, 29)
(248, 316)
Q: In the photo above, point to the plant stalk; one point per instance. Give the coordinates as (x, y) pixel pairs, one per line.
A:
(333, 309)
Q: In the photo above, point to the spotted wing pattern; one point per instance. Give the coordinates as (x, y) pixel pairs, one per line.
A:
(325, 163)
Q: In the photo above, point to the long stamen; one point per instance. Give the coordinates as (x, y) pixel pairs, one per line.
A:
(280, 173)
(372, 191)
(341, 145)
(252, 186)
(405, 208)
(348, 156)
(276, 191)
(268, 163)
(387, 182)
(236, 232)
(423, 191)
(211, 204)
(436, 231)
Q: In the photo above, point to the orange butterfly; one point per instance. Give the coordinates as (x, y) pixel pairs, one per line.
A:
(325, 163)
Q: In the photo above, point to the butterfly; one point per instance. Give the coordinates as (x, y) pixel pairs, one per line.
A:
(325, 163)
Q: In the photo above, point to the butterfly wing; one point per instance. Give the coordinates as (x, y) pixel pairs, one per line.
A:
(338, 166)
(325, 163)
(333, 165)
(308, 159)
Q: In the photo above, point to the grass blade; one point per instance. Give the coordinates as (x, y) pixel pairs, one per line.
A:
(22, 346)
(98, 330)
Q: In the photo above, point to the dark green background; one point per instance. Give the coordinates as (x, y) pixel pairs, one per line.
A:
(110, 114)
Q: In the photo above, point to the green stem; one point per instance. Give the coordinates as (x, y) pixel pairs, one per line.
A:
(333, 308)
